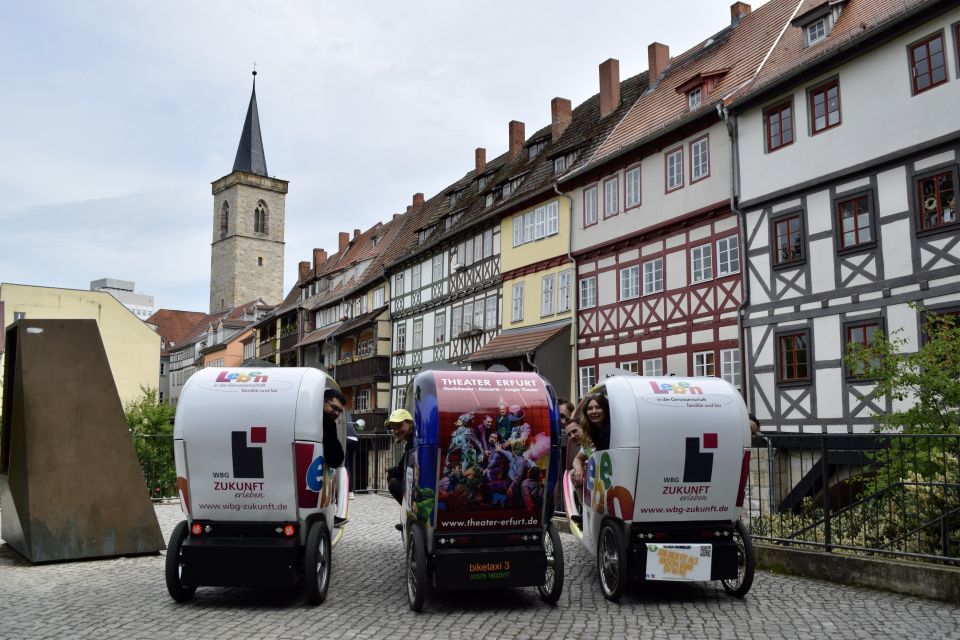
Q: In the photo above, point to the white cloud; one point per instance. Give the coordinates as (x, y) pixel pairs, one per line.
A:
(119, 115)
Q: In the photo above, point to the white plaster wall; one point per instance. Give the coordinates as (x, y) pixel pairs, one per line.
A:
(675, 266)
(897, 259)
(865, 111)
(828, 335)
(676, 364)
(606, 287)
(892, 191)
(656, 205)
(818, 217)
(830, 389)
(765, 356)
(821, 260)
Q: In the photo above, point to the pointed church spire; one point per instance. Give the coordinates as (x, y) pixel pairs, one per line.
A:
(250, 157)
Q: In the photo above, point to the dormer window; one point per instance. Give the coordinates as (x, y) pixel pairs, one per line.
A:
(536, 148)
(816, 31)
(482, 182)
(488, 201)
(818, 22)
(454, 196)
(694, 98)
(560, 164)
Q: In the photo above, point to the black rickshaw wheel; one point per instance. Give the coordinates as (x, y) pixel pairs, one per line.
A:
(552, 585)
(174, 565)
(317, 563)
(612, 561)
(746, 563)
(416, 568)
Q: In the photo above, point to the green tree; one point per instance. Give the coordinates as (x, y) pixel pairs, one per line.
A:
(929, 377)
(150, 427)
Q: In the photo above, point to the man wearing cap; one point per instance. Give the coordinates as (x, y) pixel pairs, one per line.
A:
(400, 424)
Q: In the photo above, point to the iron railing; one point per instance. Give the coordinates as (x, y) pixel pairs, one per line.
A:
(881, 494)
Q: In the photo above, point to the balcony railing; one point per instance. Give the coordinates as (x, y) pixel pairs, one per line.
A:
(288, 341)
(363, 369)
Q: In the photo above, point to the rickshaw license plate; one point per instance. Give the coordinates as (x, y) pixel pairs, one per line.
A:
(684, 562)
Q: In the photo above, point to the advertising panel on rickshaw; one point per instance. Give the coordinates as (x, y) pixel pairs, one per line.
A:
(494, 450)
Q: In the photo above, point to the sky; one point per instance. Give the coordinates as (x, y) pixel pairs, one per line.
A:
(117, 116)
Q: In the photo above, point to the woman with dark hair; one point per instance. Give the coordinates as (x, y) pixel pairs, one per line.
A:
(595, 427)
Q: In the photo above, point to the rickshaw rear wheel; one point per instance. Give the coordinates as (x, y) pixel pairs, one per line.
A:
(746, 563)
(174, 565)
(612, 561)
(552, 585)
(317, 563)
(416, 568)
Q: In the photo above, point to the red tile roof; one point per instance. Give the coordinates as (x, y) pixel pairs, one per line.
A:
(174, 326)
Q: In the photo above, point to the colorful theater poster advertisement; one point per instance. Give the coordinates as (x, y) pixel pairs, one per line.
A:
(494, 437)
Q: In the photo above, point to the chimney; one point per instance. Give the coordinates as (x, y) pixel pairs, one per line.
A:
(658, 56)
(480, 155)
(516, 138)
(396, 215)
(319, 257)
(303, 271)
(417, 199)
(737, 12)
(356, 233)
(344, 241)
(609, 86)
(409, 207)
(560, 117)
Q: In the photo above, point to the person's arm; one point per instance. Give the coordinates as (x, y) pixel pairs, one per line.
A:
(332, 449)
(576, 468)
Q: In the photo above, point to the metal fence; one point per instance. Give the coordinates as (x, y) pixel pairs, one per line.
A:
(155, 453)
(880, 494)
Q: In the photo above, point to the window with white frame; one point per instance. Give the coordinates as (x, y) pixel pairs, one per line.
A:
(361, 401)
(553, 218)
(516, 306)
(401, 398)
(630, 282)
(546, 295)
(437, 267)
(398, 283)
(703, 364)
(529, 225)
(478, 314)
(728, 255)
(588, 378)
(478, 248)
(488, 243)
(378, 297)
(590, 206)
(518, 230)
(491, 322)
(675, 169)
(560, 164)
(653, 367)
(611, 194)
(699, 159)
(632, 179)
(540, 223)
(588, 292)
(694, 97)
(632, 366)
(402, 336)
(730, 366)
(816, 31)
(415, 277)
(456, 322)
(468, 316)
(653, 276)
(701, 263)
(439, 327)
(564, 280)
(418, 333)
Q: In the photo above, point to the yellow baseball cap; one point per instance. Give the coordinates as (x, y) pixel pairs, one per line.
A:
(398, 416)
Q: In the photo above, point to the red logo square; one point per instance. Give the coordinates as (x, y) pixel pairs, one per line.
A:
(258, 435)
(709, 441)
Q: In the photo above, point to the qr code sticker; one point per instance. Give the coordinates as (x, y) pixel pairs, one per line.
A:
(705, 551)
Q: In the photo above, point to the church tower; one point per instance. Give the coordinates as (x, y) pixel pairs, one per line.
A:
(246, 260)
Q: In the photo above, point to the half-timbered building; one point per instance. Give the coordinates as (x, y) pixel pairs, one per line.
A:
(848, 145)
(655, 239)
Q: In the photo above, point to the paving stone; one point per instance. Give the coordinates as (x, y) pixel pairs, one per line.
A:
(126, 598)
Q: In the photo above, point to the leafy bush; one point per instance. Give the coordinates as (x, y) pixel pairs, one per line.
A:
(150, 427)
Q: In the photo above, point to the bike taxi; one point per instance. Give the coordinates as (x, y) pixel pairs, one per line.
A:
(663, 502)
(261, 504)
(478, 492)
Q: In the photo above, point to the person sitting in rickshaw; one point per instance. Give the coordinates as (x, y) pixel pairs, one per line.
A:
(400, 423)
(595, 433)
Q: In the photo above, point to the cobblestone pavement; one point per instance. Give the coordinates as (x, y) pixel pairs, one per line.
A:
(127, 598)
